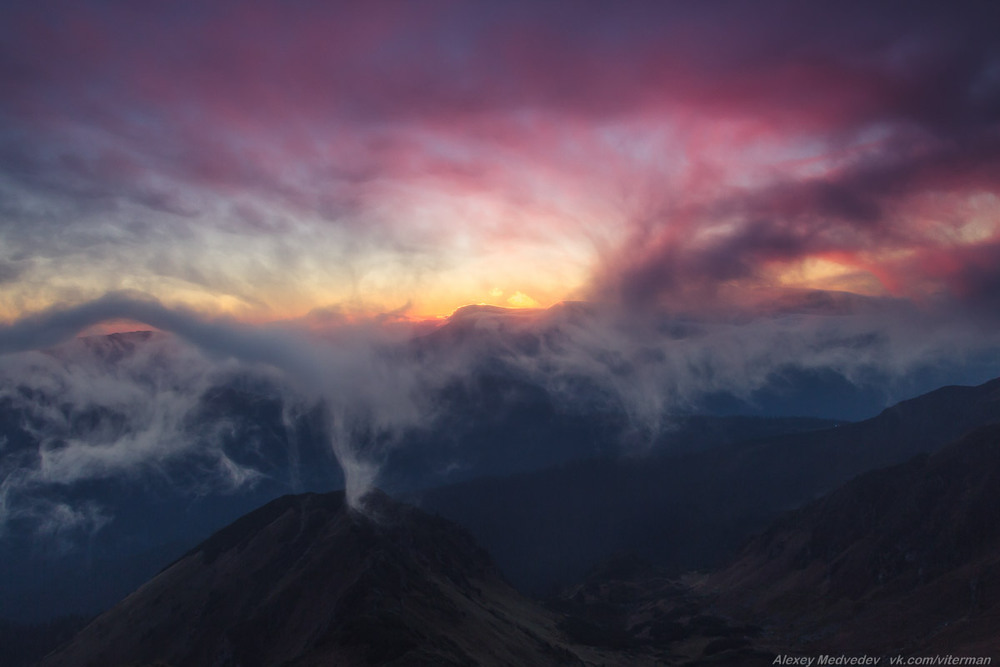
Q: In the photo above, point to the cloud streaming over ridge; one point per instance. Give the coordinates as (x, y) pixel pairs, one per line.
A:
(91, 411)
(362, 389)
(702, 199)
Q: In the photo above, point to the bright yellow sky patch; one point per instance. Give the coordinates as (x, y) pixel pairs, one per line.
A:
(819, 273)
(522, 300)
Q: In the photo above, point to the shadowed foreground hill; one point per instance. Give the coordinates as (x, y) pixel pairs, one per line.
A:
(902, 559)
(305, 580)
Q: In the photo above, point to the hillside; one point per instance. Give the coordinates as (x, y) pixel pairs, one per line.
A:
(305, 580)
(903, 559)
(689, 512)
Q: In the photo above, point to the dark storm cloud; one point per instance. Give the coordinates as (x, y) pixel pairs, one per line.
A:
(10, 271)
(869, 206)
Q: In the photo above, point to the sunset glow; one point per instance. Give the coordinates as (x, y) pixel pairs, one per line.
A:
(266, 161)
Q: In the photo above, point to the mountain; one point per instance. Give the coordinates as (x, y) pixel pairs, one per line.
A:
(595, 357)
(118, 453)
(901, 559)
(74, 543)
(905, 559)
(689, 512)
(628, 604)
(306, 580)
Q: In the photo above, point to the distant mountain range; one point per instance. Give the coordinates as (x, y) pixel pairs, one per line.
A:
(904, 561)
(693, 511)
(550, 491)
(203, 443)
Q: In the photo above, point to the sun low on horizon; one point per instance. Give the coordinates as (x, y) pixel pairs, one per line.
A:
(271, 161)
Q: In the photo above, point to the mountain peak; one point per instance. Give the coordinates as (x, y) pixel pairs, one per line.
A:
(306, 579)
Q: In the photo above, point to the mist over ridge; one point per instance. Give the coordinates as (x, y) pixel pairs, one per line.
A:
(97, 414)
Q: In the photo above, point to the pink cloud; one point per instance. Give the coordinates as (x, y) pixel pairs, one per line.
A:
(337, 112)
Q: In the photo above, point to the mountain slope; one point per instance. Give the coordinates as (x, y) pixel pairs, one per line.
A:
(694, 511)
(305, 580)
(902, 559)
(118, 453)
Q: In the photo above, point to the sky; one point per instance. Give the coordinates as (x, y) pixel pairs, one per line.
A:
(271, 161)
(672, 200)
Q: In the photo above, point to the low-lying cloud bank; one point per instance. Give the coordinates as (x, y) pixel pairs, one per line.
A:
(160, 387)
(89, 409)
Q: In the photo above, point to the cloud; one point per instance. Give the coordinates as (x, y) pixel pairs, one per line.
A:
(100, 409)
(426, 139)
(10, 271)
(681, 165)
(883, 203)
(652, 364)
(368, 397)
(119, 410)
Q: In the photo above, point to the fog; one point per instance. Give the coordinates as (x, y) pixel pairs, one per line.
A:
(134, 408)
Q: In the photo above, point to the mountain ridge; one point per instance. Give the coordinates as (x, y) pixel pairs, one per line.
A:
(692, 511)
(306, 580)
(920, 541)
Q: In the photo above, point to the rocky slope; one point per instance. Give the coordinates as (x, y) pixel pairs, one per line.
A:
(691, 512)
(305, 580)
(903, 559)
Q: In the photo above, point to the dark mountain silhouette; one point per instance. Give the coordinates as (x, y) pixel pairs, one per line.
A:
(154, 514)
(628, 604)
(904, 559)
(24, 644)
(495, 423)
(305, 580)
(690, 512)
(575, 502)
